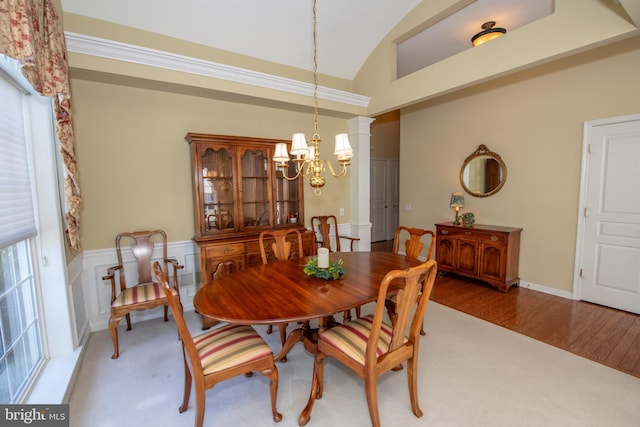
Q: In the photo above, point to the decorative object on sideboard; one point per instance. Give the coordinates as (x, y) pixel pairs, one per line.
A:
(483, 173)
(468, 218)
(489, 32)
(457, 202)
(307, 159)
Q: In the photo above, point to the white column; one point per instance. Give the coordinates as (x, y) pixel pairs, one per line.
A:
(360, 136)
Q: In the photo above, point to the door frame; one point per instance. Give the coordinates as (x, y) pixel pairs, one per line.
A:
(584, 184)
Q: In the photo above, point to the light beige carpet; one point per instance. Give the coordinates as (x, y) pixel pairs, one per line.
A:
(472, 374)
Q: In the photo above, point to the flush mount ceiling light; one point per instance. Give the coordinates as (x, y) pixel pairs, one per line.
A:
(488, 33)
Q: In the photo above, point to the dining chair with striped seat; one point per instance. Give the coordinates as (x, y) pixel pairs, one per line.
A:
(218, 355)
(371, 347)
(145, 294)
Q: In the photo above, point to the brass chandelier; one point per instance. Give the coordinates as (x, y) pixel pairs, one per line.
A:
(307, 155)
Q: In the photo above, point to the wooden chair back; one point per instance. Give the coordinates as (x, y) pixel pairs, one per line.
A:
(194, 357)
(282, 247)
(414, 243)
(323, 224)
(141, 244)
(223, 268)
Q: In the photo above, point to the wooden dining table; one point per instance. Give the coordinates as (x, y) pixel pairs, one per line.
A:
(280, 292)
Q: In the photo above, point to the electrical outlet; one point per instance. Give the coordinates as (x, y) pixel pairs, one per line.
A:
(341, 211)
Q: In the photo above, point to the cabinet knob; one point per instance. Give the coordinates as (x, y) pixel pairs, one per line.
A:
(445, 232)
(494, 238)
(227, 251)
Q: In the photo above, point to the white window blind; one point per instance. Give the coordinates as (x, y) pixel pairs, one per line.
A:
(17, 219)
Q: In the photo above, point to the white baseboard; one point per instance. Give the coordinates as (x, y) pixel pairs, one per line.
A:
(546, 289)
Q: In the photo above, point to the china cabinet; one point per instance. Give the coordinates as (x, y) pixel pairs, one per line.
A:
(485, 252)
(238, 192)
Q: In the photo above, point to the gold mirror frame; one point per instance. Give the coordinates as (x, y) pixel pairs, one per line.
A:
(489, 170)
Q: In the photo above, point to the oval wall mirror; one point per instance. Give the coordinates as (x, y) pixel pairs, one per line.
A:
(483, 173)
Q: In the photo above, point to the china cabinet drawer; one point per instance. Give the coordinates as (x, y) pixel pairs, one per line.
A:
(224, 251)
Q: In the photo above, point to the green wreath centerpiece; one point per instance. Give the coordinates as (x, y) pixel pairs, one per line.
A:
(335, 270)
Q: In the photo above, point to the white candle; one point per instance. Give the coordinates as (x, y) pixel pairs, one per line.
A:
(323, 258)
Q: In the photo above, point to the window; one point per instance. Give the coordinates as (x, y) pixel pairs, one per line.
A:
(20, 349)
(21, 353)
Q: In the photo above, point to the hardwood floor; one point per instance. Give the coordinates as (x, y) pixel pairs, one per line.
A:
(602, 334)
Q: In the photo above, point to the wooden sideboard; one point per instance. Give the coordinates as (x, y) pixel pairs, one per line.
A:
(485, 252)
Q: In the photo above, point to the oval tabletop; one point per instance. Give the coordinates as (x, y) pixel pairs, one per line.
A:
(281, 292)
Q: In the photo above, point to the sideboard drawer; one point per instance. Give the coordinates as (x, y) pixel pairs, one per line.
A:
(499, 238)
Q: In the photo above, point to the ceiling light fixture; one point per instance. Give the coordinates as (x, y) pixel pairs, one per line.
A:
(307, 159)
(488, 33)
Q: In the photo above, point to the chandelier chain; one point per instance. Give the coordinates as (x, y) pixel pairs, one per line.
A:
(315, 73)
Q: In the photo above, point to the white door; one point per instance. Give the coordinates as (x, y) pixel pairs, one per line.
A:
(393, 176)
(609, 271)
(378, 200)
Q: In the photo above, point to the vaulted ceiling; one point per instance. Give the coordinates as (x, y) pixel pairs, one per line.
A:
(280, 31)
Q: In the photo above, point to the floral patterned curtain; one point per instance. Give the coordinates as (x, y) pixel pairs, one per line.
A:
(31, 32)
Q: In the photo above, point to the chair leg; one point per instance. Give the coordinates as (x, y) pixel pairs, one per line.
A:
(208, 322)
(166, 313)
(187, 385)
(412, 379)
(316, 388)
(371, 390)
(128, 316)
(272, 374)
(391, 311)
(200, 401)
(283, 332)
(422, 332)
(270, 329)
(113, 331)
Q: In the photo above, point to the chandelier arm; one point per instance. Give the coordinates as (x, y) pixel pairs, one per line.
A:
(342, 173)
(300, 170)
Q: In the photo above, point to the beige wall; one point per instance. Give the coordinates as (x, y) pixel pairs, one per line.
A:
(135, 170)
(385, 136)
(534, 119)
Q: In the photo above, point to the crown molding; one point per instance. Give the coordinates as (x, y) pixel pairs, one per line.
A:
(94, 46)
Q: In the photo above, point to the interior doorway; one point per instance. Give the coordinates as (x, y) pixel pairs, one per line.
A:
(384, 176)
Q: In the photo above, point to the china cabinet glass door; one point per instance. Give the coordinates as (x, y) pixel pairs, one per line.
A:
(218, 192)
(287, 197)
(255, 188)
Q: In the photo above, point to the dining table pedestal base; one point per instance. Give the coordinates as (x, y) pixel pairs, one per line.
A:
(308, 336)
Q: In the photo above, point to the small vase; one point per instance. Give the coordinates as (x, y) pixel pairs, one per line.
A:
(468, 219)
